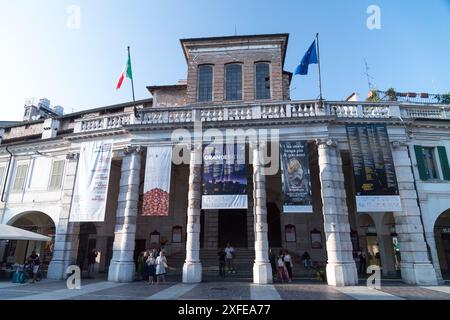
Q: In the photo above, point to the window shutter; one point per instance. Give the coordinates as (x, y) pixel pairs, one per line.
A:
(423, 174)
(444, 163)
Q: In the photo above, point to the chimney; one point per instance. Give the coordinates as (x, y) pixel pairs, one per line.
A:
(51, 127)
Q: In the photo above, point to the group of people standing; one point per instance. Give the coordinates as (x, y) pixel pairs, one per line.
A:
(281, 265)
(153, 266)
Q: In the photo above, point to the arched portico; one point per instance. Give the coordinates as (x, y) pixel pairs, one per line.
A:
(442, 241)
(16, 251)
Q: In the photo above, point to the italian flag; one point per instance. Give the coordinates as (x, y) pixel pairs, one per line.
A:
(125, 73)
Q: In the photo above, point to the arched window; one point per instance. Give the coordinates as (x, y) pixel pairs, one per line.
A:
(262, 80)
(205, 83)
(233, 81)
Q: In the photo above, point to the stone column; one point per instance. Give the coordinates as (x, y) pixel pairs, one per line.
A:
(122, 267)
(262, 270)
(415, 266)
(192, 268)
(430, 238)
(341, 268)
(66, 240)
(386, 248)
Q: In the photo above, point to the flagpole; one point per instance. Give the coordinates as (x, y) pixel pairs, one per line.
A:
(132, 88)
(318, 62)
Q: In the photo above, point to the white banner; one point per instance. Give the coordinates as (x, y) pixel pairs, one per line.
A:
(157, 181)
(92, 180)
(378, 203)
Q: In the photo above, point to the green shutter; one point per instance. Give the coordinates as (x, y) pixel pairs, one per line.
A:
(421, 163)
(444, 163)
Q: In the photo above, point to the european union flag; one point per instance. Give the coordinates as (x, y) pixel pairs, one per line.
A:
(309, 58)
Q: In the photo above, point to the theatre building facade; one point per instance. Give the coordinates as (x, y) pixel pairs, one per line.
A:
(331, 178)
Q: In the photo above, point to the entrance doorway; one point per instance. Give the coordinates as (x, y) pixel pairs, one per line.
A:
(87, 243)
(233, 228)
(274, 225)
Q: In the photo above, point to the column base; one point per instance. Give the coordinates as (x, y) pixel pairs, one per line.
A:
(57, 270)
(342, 274)
(121, 271)
(421, 274)
(262, 273)
(192, 272)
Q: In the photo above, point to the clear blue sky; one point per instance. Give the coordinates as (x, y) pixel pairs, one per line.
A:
(78, 69)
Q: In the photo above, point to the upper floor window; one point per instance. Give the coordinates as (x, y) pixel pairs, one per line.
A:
(262, 80)
(430, 160)
(56, 175)
(19, 180)
(233, 81)
(205, 83)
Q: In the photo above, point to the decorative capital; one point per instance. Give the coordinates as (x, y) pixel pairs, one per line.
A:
(398, 144)
(132, 149)
(327, 143)
(72, 156)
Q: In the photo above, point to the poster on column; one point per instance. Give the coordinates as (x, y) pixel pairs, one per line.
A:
(374, 176)
(295, 177)
(224, 177)
(92, 180)
(157, 181)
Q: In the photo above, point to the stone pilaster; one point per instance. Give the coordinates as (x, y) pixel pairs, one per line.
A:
(262, 270)
(192, 268)
(122, 267)
(415, 266)
(341, 268)
(429, 236)
(66, 239)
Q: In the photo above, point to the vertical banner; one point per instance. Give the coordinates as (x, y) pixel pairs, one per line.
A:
(92, 180)
(157, 181)
(224, 177)
(373, 168)
(295, 177)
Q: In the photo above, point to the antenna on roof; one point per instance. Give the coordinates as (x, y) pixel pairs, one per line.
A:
(369, 77)
(235, 29)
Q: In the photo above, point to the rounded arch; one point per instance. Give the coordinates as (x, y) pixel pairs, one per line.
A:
(33, 216)
(35, 221)
(442, 240)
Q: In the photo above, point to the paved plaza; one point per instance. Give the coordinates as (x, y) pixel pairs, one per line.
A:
(236, 289)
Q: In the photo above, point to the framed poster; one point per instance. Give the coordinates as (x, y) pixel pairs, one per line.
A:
(316, 239)
(177, 234)
(295, 177)
(290, 233)
(224, 177)
(373, 167)
(155, 238)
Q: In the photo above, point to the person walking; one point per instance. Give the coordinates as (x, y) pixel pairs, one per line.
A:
(151, 264)
(91, 262)
(229, 256)
(288, 262)
(281, 269)
(222, 262)
(34, 261)
(161, 266)
(362, 263)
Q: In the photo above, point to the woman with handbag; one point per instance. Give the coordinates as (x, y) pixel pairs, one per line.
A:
(161, 266)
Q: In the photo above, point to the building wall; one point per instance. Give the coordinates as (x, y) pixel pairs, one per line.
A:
(248, 59)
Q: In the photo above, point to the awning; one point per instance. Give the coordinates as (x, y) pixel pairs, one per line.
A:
(13, 233)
